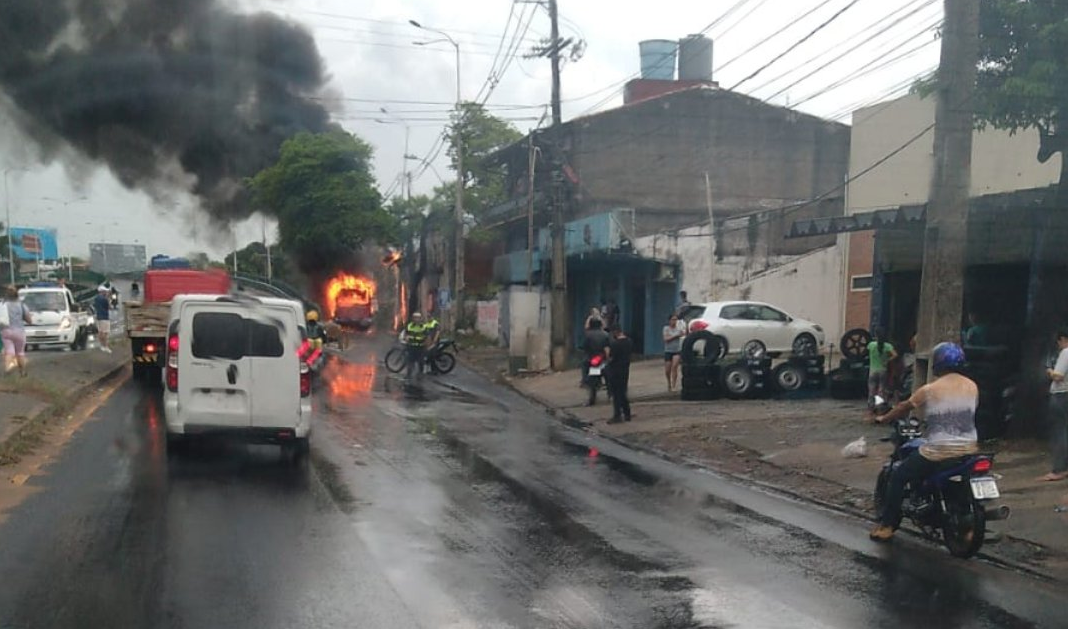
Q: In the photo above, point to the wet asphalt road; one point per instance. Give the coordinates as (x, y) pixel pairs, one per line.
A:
(452, 504)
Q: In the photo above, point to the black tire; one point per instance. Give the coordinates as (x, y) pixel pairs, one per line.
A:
(592, 384)
(703, 348)
(395, 360)
(444, 363)
(879, 495)
(965, 526)
(692, 383)
(691, 395)
(855, 343)
(738, 381)
(805, 345)
(789, 377)
(843, 387)
(296, 452)
(700, 372)
(754, 349)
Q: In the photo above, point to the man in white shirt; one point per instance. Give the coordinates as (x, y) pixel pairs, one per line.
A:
(1058, 411)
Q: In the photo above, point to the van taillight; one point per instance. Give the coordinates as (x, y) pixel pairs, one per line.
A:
(172, 362)
(305, 380)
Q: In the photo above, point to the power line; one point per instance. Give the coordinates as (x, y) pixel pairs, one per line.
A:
(786, 27)
(860, 44)
(616, 85)
(353, 18)
(859, 34)
(500, 48)
(804, 39)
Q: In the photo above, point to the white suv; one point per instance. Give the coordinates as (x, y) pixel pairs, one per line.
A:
(755, 328)
(232, 368)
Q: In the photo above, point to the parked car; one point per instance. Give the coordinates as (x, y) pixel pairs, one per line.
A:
(232, 368)
(755, 329)
(57, 319)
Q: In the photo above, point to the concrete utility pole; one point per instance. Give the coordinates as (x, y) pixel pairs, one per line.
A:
(560, 325)
(946, 234)
(711, 240)
(530, 211)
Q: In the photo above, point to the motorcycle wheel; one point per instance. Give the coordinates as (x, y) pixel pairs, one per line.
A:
(444, 363)
(964, 529)
(593, 384)
(879, 496)
(395, 360)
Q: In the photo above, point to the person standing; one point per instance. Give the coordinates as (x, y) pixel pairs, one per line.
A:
(415, 337)
(880, 353)
(673, 332)
(102, 308)
(619, 353)
(14, 333)
(683, 305)
(1058, 411)
(594, 343)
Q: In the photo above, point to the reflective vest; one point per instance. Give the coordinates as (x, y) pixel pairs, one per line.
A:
(415, 333)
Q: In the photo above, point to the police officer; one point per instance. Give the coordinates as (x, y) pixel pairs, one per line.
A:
(416, 334)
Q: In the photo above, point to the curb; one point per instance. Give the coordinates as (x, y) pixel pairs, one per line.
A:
(76, 393)
(570, 420)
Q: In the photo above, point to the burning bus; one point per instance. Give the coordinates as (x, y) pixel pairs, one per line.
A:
(350, 300)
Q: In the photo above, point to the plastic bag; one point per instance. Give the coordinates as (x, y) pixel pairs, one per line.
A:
(856, 449)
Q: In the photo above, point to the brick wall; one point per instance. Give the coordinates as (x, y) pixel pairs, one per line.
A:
(858, 302)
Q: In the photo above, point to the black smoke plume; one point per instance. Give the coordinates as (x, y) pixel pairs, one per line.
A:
(144, 86)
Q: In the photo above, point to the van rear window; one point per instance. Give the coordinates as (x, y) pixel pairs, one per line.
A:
(230, 336)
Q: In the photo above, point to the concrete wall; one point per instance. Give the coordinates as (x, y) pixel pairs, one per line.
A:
(652, 156)
(521, 311)
(1001, 162)
(806, 285)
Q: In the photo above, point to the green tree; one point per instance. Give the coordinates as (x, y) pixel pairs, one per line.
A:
(482, 135)
(324, 195)
(1023, 73)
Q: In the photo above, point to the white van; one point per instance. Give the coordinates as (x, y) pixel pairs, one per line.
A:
(232, 368)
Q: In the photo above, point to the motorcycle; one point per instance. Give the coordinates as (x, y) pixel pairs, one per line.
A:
(440, 359)
(953, 505)
(594, 377)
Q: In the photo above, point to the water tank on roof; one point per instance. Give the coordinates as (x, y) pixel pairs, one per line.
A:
(658, 59)
(695, 58)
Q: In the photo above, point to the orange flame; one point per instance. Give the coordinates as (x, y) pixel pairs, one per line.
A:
(348, 290)
(349, 381)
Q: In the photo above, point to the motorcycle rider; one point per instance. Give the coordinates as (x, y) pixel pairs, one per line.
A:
(415, 338)
(316, 333)
(948, 405)
(595, 343)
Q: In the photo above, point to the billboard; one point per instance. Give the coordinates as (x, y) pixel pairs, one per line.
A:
(34, 244)
(109, 258)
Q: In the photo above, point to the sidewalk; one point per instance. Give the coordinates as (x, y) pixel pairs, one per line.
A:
(55, 377)
(795, 446)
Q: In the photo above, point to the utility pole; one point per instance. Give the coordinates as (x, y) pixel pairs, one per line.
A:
(560, 325)
(530, 212)
(946, 232)
(711, 240)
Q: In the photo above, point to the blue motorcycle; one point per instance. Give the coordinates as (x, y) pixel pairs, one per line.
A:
(953, 505)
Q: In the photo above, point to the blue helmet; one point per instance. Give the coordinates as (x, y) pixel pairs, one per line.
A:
(947, 357)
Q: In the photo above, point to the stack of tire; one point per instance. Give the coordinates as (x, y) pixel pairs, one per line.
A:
(850, 380)
(700, 372)
(747, 377)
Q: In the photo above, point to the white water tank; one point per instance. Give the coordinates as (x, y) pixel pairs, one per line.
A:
(695, 58)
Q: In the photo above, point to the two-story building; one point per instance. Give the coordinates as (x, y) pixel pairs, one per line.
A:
(639, 184)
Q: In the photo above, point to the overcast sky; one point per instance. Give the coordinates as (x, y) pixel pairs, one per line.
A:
(872, 51)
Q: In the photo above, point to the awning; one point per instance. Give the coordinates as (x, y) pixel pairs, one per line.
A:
(903, 216)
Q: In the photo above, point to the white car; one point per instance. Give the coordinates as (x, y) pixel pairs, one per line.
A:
(755, 328)
(56, 319)
(232, 368)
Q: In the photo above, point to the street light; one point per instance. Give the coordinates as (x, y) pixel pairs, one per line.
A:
(458, 145)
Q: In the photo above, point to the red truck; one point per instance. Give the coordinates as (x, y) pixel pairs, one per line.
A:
(146, 320)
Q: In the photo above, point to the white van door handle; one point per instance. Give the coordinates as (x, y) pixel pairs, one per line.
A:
(231, 374)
